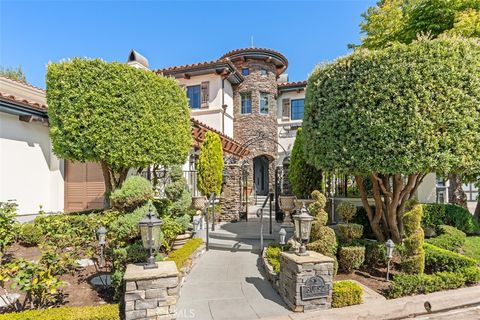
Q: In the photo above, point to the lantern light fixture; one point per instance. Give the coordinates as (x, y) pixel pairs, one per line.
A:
(150, 229)
(303, 227)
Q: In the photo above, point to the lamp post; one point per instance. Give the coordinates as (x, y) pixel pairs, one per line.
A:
(101, 234)
(282, 234)
(150, 228)
(303, 227)
(390, 245)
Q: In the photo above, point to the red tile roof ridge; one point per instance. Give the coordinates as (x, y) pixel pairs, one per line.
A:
(293, 83)
(30, 103)
(188, 66)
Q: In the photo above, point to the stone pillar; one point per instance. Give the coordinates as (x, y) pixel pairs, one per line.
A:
(230, 200)
(306, 281)
(151, 293)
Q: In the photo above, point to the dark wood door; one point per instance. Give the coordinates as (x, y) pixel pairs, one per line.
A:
(84, 186)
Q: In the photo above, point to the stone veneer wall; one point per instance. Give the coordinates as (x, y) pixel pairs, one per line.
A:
(230, 200)
(246, 126)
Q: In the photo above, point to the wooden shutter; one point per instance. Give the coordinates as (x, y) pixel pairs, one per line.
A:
(205, 90)
(84, 186)
(286, 109)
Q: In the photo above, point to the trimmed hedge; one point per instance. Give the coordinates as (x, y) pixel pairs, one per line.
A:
(351, 231)
(450, 238)
(351, 258)
(413, 261)
(438, 259)
(103, 312)
(346, 293)
(375, 253)
(436, 214)
(181, 255)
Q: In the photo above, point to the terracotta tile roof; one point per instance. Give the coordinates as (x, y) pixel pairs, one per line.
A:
(199, 129)
(28, 103)
(23, 83)
(246, 50)
(187, 67)
(294, 84)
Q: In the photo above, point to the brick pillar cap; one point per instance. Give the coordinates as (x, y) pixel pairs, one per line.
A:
(313, 257)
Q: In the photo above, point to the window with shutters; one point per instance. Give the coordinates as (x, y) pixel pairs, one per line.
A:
(297, 109)
(205, 94)
(193, 94)
(246, 105)
(263, 103)
(285, 109)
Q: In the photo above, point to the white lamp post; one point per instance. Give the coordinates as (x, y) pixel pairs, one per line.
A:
(150, 228)
(303, 227)
(390, 245)
(101, 234)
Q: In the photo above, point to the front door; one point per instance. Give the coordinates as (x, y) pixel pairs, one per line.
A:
(260, 174)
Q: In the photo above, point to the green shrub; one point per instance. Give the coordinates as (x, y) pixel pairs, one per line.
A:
(171, 228)
(272, 254)
(319, 198)
(133, 193)
(346, 293)
(181, 255)
(347, 211)
(471, 274)
(375, 253)
(451, 280)
(8, 213)
(30, 234)
(450, 238)
(350, 232)
(324, 241)
(177, 192)
(351, 258)
(413, 261)
(210, 165)
(450, 214)
(125, 228)
(361, 218)
(102, 312)
(438, 259)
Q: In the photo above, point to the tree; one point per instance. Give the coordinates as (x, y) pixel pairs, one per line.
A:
(210, 165)
(303, 177)
(403, 20)
(395, 115)
(13, 73)
(117, 115)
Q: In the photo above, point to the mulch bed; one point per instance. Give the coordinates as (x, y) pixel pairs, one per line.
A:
(374, 278)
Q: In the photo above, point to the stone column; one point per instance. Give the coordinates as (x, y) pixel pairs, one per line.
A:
(151, 293)
(306, 282)
(230, 200)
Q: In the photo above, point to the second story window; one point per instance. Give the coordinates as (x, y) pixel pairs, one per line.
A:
(263, 103)
(245, 72)
(246, 106)
(193, 94)
(297, 109)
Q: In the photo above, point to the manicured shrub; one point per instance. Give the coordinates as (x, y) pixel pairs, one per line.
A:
(449, 214)
(125, 228)
(361, 218)
(375, 253)
(133, 193)
(210, 165)
(351, 258)
(450, 238)
(323, 238)
(438, 259)
(413, 261)
(102, 312)
(181, 255)
(30, 234)
(177, 192)
(471, 274)
(350, 232)
(346, 293)
(319, 198)
(347, 211)
(272, 254)
(451, 280)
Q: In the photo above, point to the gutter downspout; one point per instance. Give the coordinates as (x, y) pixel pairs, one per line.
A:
(224, 107)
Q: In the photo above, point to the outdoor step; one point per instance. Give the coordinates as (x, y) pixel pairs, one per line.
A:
(233, 245)
(221, 234)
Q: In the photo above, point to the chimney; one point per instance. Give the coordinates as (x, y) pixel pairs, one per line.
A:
(136, 60)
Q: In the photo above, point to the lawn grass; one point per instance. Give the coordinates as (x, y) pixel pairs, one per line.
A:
(472, 248)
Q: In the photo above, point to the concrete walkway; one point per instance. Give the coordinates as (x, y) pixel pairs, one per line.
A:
(228, 285)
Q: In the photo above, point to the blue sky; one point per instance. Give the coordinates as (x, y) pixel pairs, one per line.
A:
(32, 33)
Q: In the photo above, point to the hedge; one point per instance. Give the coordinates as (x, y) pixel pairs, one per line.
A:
(346, 293)
(103, 312)
(435, 214)
(438, 259)
(450, 238)
(181, 255)
(351, 258)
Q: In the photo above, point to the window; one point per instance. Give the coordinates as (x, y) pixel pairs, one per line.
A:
(263, 103)
(246, 103)
(193, 94)
(245, 72)
(297, 109)
(264, 72)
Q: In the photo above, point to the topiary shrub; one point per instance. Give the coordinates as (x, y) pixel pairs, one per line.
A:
(450, 238)
(351, 258)
(449, 214)
(347, 211)
(210, 165)
(125, 228)
(438, 259)
(375, 253)
(413, 261)
(177, 192)
(323, 238)
(350, 232)
(346, 293)
(30, 234)
(133, 193)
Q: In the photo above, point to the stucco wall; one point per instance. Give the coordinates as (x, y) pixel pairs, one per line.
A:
(286, 128)
(29, 172)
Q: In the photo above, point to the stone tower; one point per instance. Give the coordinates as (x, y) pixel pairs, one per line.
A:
(255, 110)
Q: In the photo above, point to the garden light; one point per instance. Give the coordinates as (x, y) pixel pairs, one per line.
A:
(390, 245)
(101, 234)
(282, 233)
(303, 226)
(150, 228)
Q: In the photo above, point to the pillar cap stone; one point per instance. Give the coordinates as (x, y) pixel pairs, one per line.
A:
(313, 257)
(136, 271)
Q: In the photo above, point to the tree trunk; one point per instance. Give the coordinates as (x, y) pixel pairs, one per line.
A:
(456, 195)
(477, 211)
(373, 217)
(113, 180)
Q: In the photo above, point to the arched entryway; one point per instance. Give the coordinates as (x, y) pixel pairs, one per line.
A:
(261, 175)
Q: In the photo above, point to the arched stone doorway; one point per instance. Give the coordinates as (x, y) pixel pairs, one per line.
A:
(261, 175)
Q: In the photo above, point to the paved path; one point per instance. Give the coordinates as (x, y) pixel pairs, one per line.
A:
(228, 285)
